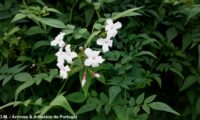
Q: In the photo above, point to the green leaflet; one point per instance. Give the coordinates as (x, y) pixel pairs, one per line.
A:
(113, 92)
(162, 107)
(22, 87)
(52, 22)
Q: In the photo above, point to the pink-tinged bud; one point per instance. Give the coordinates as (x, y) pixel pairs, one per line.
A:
(83, 81)
(97, 75)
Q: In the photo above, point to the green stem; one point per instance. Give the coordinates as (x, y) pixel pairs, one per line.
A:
(70, 15)
(25, 4)
(91, 37)
(97, 12)
(33, 91)
(76, 69)
(62, 87)
(125, 91)
(125, 97)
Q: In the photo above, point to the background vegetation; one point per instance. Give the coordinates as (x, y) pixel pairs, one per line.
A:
(155, 57)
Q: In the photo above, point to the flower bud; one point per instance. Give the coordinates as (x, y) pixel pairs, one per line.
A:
(97, 75)
(81, 48)
(83, 81)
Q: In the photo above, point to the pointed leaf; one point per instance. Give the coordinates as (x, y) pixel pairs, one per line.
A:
(150, 99)
(86, 108)
(6, 80)
(189, 81)
(162, 107)
(10, 104)
(145, 53)
(22, 87)
(76, 97)
(40, 44)
(113, 92)
(101, 79)
(146, 108)
(35, 30)
(107, 108)
(23, 77)
(52, 22)
(140, 99)
(129, 12)
(171, 33)
(18, 16)
(61, 101)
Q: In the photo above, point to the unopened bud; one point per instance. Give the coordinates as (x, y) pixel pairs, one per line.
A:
(18, 38)
(83, 81)
(81, 48)
(32, 66)
(97, 75)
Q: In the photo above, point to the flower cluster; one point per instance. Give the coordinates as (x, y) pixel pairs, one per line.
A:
(65, 55)
(111, 29)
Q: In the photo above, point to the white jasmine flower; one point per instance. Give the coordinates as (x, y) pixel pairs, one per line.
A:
(83, 81)
(93, 58)
(105, 43)
(111, 28)
(69, 55)
(64, 71)
(59, 40)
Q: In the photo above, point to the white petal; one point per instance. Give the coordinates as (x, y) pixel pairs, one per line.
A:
(95, 53)
(105, 48)
(117, 25)
(67, 48)
(88, 62)
(111, 33)
(63, 74)
(61, 44)
(100, 59)
(109, 24)
(100, 41)
(73, 55)
(69, 60)
(95, 64)
(67, 68)
(91, 53)
(54, 42)
(62, 34)
(60, 63)
(88, 52)
(110, 43)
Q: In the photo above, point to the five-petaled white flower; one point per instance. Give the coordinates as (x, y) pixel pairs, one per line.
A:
(93, 58)
(69, 55)
(59, 40)
(111, 28)
(105, 43)
(64, 71)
